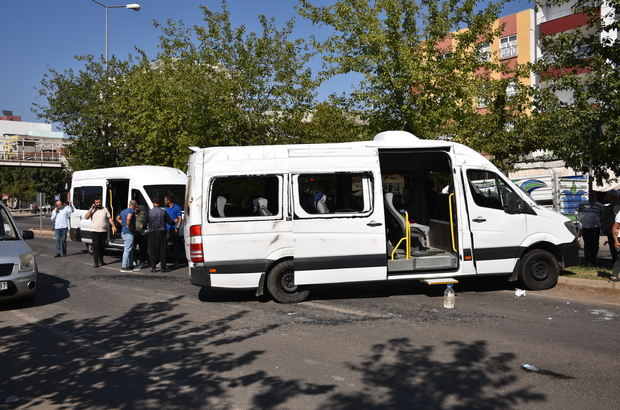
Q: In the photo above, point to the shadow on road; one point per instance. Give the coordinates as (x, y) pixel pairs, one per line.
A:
(366, 290)
(155, 358)
(50, 289)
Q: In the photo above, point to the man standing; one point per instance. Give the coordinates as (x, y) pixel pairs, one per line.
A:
(589, 214)
(609, 216)
(60, 217)
(100, 217)
(175, 213)
(127, 219)
(158, 249)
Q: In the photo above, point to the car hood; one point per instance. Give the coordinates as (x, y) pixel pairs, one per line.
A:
(11, 249)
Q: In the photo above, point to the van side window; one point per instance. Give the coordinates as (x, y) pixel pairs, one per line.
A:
(245, 196)
(487, 189)
(334, 193)
(84, 196)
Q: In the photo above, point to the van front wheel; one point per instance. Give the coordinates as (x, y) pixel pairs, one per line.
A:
(281, 284)
(539, 270)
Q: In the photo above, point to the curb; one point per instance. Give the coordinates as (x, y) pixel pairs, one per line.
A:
(601, 284)
(48, 233)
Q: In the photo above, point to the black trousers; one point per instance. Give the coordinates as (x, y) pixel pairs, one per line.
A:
(173, 238)
(590, 244)
(142, 243)
(98, 245)
(158, 248)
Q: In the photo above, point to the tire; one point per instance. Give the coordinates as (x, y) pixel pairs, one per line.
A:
(539, 270)
(280, 284)
(89, 248)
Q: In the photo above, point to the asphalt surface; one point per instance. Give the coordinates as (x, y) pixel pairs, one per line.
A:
(96, 338)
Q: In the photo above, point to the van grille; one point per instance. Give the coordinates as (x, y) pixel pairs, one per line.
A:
(6, 269)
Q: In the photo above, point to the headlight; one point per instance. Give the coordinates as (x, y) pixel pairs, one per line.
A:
(26, 262)
(570, 225)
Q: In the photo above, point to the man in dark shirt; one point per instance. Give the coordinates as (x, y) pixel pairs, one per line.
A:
(158, 241)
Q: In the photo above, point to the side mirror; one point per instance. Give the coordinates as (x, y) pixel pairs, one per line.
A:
(27, 234)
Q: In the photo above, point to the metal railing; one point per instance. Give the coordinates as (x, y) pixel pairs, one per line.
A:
(27, 149)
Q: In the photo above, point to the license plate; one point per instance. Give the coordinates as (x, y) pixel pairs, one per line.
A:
(4, 285)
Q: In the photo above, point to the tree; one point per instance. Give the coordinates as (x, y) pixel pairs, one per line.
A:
(212, 85)
(414, 80)
(583, 63)
(24, 183)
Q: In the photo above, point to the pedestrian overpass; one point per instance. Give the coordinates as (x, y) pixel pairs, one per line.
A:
(32, 151)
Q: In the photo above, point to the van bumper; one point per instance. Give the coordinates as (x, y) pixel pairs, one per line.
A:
(570, 253)
(200, 277)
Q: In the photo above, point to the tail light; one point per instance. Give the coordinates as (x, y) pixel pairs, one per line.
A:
(195, 244)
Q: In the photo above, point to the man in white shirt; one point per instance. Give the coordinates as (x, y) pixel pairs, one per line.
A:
(60, 217)
(100, 218)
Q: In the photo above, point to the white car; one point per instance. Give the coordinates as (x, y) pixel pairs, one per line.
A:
(18, 268)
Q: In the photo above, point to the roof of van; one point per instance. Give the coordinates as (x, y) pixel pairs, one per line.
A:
(147, 174)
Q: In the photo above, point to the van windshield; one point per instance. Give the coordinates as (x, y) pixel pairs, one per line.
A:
(161, 191)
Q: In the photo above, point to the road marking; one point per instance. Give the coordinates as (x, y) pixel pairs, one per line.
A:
(342, 310)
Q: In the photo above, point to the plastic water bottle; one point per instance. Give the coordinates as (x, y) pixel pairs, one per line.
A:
(448, 297)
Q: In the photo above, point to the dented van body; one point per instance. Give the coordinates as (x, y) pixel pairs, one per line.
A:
(285, 217)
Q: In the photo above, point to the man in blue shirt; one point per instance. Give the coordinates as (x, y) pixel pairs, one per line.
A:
(60, 217)
(127, 219)
(175, 213)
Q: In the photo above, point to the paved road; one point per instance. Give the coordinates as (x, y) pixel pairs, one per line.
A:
(96, 338)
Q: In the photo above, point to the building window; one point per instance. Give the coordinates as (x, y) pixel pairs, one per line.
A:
(508, 47)
(485, 52)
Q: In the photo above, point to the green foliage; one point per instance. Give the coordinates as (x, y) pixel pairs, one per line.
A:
(583, 63)
(24, 183)
(414, 82)
(211, 85)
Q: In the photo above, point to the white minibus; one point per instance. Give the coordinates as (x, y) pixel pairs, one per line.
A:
(289, 216)
(116, 187)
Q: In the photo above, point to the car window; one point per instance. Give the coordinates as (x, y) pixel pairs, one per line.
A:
(7, 229)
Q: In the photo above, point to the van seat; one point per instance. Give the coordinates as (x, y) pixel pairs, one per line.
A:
(319, 203)
(221, 203)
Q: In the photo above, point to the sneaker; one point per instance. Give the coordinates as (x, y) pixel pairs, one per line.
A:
(126, 270)
(143, 265)
(136, 268)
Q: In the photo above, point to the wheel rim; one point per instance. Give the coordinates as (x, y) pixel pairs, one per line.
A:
(287, 282)
(539, 269)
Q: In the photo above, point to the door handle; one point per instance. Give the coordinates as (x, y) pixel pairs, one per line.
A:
(373, 223)
(479, 219)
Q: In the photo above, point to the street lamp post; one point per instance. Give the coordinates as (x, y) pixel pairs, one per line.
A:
(134, 6)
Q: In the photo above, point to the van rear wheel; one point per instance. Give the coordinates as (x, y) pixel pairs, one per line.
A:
(539, 270)
(89, 248)
(281, 284)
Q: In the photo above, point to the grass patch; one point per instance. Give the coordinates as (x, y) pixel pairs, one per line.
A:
(601, 272)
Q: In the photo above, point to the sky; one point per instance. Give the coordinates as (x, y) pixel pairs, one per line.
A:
(39, 35)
